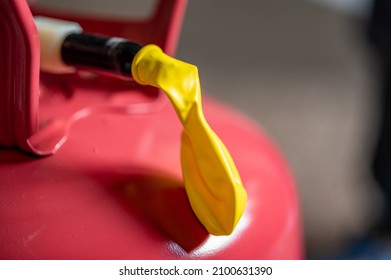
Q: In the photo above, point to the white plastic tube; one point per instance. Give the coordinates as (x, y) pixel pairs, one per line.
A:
(52, 33)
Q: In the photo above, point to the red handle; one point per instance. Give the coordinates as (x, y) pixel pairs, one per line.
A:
(19, 74)
(19, 54)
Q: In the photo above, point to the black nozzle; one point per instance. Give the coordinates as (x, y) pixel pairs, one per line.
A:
(110, 54)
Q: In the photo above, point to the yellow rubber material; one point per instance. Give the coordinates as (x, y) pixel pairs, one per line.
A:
(211, 179)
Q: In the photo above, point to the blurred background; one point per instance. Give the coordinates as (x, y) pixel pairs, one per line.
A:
(303, 71)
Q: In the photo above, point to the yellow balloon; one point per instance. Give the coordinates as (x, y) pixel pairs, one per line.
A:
(211, 179)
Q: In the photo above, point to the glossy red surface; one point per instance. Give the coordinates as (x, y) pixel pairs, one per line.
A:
(113, 189)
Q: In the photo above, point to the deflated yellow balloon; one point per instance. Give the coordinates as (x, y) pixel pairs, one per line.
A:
(212, 182)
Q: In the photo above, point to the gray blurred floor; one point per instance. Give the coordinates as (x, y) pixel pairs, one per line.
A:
(302, 72)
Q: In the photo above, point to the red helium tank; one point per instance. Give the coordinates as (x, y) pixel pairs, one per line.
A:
(90, 165)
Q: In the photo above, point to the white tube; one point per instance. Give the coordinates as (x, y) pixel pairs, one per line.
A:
(52, 33)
